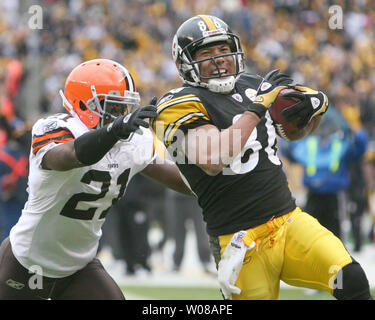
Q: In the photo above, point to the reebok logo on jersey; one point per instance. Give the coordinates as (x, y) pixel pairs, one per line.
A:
(14, 284)
(50, 126)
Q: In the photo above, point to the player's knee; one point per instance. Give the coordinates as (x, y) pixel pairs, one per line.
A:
(351, 283)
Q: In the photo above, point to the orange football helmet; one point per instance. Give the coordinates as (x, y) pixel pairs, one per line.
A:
(96, 85)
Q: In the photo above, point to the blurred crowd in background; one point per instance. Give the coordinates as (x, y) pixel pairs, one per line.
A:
(292, 35)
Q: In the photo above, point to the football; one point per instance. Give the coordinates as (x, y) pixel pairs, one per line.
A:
(284, 129)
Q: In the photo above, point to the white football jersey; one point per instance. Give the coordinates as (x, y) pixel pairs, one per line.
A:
(60, 225)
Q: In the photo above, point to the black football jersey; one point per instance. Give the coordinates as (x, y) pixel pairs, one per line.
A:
(253, 188)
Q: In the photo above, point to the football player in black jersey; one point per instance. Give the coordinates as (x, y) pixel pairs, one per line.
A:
(217, 129)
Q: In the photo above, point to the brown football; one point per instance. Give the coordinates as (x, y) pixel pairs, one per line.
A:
(284, 129)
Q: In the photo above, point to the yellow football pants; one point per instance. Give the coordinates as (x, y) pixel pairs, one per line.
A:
(293, 248)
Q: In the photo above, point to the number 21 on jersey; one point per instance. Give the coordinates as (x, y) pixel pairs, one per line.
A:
(70, 209)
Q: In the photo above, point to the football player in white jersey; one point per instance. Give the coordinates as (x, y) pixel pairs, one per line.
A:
(80, 164)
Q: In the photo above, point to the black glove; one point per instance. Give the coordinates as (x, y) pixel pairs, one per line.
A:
(312, 104)
(124, 125)
(268, 91)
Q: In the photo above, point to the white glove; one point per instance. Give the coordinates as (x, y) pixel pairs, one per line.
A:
(231, 263)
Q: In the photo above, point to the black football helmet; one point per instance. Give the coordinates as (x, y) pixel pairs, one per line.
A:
(196, 33)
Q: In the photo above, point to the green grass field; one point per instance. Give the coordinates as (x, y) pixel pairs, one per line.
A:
(187, 293)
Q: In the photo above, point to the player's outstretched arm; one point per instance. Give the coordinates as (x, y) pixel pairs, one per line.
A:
(90, 147)
(166, 173)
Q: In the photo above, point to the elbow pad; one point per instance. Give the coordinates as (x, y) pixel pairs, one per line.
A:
(92, 146)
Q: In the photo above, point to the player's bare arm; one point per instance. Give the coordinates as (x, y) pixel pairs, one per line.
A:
(217, 153)
(166, 173)
(61, 158)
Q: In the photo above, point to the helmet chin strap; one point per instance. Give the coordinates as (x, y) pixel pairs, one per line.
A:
(224, 86)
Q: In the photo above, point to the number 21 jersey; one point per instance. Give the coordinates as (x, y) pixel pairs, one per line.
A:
(60, 225)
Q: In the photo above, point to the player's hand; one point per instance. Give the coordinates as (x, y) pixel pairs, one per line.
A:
(124, 125)
(312, 104)
(231, 263)
(268, 91)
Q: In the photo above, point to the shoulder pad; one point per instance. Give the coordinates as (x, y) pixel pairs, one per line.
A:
(57, 122)
(178, 92)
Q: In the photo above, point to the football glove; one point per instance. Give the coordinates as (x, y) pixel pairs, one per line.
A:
(268, 91)
(124, 125)
(312, 104)
(231, 263)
